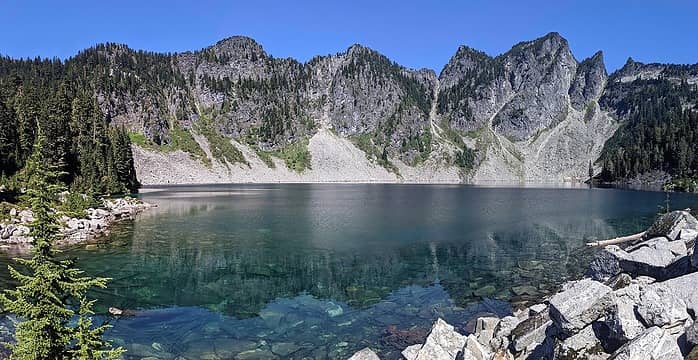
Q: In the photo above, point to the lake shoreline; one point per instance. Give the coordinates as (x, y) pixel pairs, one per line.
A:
(632, 300)
(14, 231)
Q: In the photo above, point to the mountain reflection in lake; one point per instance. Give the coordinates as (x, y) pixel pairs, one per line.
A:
(323, 270)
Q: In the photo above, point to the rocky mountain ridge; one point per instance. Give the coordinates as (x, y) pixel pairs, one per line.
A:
(231, 112)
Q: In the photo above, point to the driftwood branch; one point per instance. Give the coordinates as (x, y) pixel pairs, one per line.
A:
(618, 240)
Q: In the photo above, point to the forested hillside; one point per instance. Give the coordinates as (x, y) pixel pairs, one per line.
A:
(657, 104)
(533, 113)
(48, 97)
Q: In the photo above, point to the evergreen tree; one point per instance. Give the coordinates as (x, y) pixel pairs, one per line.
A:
(51, 289)
(8, 139)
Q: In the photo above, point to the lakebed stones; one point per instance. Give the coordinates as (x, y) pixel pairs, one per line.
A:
(579, 304)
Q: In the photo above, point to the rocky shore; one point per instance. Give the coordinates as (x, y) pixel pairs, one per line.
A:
(14, 230)
(636, 302)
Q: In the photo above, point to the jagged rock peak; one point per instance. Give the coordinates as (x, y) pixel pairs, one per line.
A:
(237, 45)
(358, 49)
(550, 43)
(466, 59)
(589, 82)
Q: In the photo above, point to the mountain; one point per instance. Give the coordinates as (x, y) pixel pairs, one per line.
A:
(233, 113)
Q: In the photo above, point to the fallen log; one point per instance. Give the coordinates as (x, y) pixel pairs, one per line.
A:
(618, 240)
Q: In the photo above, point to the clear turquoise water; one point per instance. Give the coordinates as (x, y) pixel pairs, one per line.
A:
(320, 271)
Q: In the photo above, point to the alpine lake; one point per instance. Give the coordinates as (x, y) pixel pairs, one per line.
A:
(316, 271)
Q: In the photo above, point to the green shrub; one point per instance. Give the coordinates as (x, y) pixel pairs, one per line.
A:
(296, 156)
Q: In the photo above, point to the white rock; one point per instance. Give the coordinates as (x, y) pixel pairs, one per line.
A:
(581, 346)
(643, 280)
(484, 329)
(653, 344)
(364, 354)
(684, 287)
(537, 309)
(678, 247)
(621, 320)
(476, 348)
(660, 307)
(410, 352)
(443, 342)
(579, 304)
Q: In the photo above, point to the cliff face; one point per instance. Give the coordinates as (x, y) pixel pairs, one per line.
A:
(533, 113)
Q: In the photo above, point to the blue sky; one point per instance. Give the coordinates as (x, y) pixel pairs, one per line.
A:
(414, 33)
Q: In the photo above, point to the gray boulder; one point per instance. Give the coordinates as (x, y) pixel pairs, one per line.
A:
(443, 342)
(410, 352)
(692, 334)
(500, 341)
(670, 225)
(619, 281)
(364, 354)
(653, 344)
(606, 263)
(582, 346)
(531, 332)
(683, 287)
(579, 304)
(477, 349)
(657, 257)
(484, 329)
(660, 307)
(621, 320)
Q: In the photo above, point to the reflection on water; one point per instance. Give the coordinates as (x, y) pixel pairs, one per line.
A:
(323, 270)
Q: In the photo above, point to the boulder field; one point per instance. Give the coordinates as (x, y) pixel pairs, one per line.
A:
(636, 302)
(14, 231)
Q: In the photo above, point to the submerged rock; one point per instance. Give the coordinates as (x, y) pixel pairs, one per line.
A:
(579, 304)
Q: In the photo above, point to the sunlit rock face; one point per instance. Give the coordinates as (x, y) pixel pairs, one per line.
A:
(534, 113)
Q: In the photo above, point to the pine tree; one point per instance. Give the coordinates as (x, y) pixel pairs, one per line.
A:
(51, 289)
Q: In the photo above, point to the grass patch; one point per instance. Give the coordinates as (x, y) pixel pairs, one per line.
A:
(296, 155)
(139, 139)
(180, 139)
(265, 156)
(221, 147)
(465, 158)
